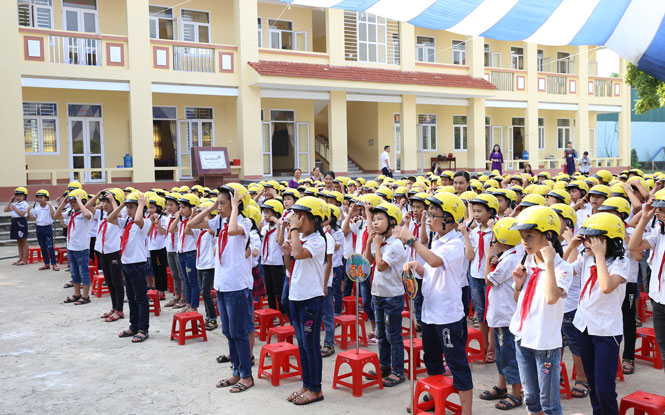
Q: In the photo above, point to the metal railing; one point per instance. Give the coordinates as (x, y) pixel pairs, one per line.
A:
(503, 81)
(192, 59)
(321, 147)
(557, 84)
(602, 88)
(75, 50)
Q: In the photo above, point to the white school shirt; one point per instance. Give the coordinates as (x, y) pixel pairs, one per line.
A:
(156, 240)
(78, 231)
(185, 242)
(135, 250)
(330, 250)
(501, 300)
(573, 293)
(21, 206)
(600, 313)
(478, 264)
(339, 238)
(388, 283)
(657, 282)
(171, 237)
(416, 229)
(108, 237)
(270, 252)
(205, 247)
(232, 271)
(633, 264)
(358, 229)
(582, 215)
(385, 158)
(255, 243)
(442, 286)
(94, 223)
(542, 326)
(307, 275)
(42, 215)
(348, 244)
(465, 262)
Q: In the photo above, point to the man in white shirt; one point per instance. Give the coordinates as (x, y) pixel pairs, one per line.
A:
(385, 162)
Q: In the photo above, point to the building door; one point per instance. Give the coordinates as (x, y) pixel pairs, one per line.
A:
(397, 152)
(267, 148)
(86, 141)
(302, 137)
(496, 138)
(509, 149)
(192, 133)
(80, 16)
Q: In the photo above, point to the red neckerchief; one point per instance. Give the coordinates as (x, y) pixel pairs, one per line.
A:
(528, 295)
(102, 229)
(222, 240)
(172, 233)
(153, 230)
(198, 244)
(660, 272)
(364, 240)
(71, 226)
(592, 280)
(125, 235)
(181, 231)
(266, 245)
(481, 247)
(416, 234)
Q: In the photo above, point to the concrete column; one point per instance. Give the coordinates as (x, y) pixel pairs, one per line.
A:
(582, 143)
(407, 46)
(337, 132)
(248, 104)
(140, 91)
(475, 56)
(475, 121)
(409, 134)
(13, 166)
(624, 119)
(335, 35)
(531, 112)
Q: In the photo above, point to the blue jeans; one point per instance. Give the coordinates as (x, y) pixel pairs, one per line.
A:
(338, 275)
(236, 310)
(187, 262)
(137, 295)
(388, 317)
(79, 261)
(600, 358)
(306, 319)
(285, 297)
(366, 295)
(449, 340)
(571, 332)
(45, 239)
(540, 371)
(328, 319)
(506, 362)
(478, 295)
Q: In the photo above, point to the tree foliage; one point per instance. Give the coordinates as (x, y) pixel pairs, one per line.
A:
(651, 91)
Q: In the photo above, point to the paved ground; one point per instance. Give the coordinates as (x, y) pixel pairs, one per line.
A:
(61, 358)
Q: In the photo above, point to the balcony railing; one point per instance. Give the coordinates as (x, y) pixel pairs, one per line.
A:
(75, 50)
(503, 81)
(193, 59)
(557, 84)
(602, 88)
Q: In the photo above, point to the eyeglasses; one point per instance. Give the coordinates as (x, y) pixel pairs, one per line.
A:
(436, 216)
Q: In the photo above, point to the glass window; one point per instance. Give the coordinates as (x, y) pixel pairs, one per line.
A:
(80, 4)
(40, 128)
(281, 34)
(517, 58)
(84, 110)
(35, 13)
(198, 113)
(277, 115)
(541, 133)
(164, 113)
(195, 26)
(371, 38)
(562, 132)
(518, 122)
(459, 52)
(425, 49)
(487, 55)
(563, 62)
(260, 24)
(541, 60)
(161, 22)
(427, 132)
(459, 133)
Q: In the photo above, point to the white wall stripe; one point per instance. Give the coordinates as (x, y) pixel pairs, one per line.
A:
(400, 9)
(564, 23)
(483, 17)
(636, 30)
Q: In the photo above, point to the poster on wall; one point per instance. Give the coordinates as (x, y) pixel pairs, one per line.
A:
(210, 161)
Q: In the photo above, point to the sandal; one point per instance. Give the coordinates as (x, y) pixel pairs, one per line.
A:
(180, 304)
(172, 302)
(489, 396)
(43, 267)
(225, 383)
(302, 400)
(127, 333)
(327, 351)
(55, 268)
(82, 300)
(68, 285)
(105, 315)
(223, 359)
(490, 357)
(140, 337)
(390, 382)
(509, 402)
(211, 325)
(21, 263)
(581, 393)
(241, 387)
(72, 299)
(115, 317)
(628, 366)
(295, 395)
(15, 262)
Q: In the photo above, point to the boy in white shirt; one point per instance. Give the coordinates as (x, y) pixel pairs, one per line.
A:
(42, 213)
(205, 263)
(171, 201)
(187, 251)
(416, 222)
(19, 226)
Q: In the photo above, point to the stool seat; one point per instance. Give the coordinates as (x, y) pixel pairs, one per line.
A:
(440, 387)
(417, 361)
(97, 283)
(643, 402)
(642, 311)
(280, 367)
(283, 334)
(265, 317)
(349, 305)
(180, 331)
(153, 298)
(347, 334)
(649, 350)
(31, 254)
(475, 354)
(357, 362)
(61, 255)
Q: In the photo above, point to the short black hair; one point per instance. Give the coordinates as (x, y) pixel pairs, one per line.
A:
(330, 173)
(586, 153)
(386, 147)
(464, 174)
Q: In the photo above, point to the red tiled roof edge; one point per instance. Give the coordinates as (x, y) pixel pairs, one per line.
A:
(349, 73)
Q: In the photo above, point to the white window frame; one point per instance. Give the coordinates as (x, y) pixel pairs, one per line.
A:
(260, 31)
(540, 60)
(397, 142)
(566, 131)
(464, 132)
(86, 176)
(487, 55)
(458, 55)
(563, 61)
(199, 121)
(515, 58)
(33, 9)
(425, 50)
(81, 20)
(422, 127)
(541, 134)
(40, 136)
(380, 58)
(155, 20)
(196, 26)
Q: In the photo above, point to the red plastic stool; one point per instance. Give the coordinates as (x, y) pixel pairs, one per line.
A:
(281, 367)
(357, 362)
(265, 318)
(440, 387)
(405, 329)
(97, 285)
(61, 255)
(649, 350)
(169, 281)
(31, 254)
(283, 334)
(475, 354)
(417, 348)
(643, 403)
(347, 334)
(93, 270)
(565, 383)
(179, 328)
(349, 305)
(153, 297)
(642, 310)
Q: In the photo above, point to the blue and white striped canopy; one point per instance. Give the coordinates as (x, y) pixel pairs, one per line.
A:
(633, 29)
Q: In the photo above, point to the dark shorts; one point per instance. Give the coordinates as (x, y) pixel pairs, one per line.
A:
(19, 228)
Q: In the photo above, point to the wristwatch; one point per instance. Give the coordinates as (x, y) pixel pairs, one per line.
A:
(410, 242)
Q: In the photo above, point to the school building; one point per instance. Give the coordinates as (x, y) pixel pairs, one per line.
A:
(87, 82)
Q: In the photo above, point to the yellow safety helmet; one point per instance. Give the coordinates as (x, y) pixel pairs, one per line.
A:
(421, 197)
(604, 224)
(488, 201)
(74, 185)
(544, 174)
(507, 193)
(446, 189)
(311, 191)
(272, 184)
(541, 189)
(400, 192)
(190, 199)
(482, 178)
(157, 200)
(448, 174)
(659, 199)
(476, 185)
(491, 183)
(43, 192)
(253, 202)
(174, 196)
(533, 199)
(371, 199)
(337, 196)
(385, 193)
(77, 192)
(117, 194)
(618, 190)
(490, 190)
(549, 183)
(561, 195)
(291, 192)
(566, 212)
(540, 218)
(360, 180)
(240, 191)
(312, 205)
(562, 177)
(389, 209)
(504, 234)
(198, 188)
(529, 189)
(206, 204)
(254, 214)
(604, 176)
(561, 184)
(600, 189)
(275, 205)
(334, 211)
(133, 197)
(637, 179)
(468, 196)
(616, 204)
(578, 184)
(517, 189)
(450, 204)
(184, 189)
(21, 191)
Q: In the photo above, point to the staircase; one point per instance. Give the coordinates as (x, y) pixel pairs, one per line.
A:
(353, 170)
(5, 224)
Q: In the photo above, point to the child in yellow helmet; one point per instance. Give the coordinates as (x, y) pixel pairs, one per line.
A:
(19, 209)
(42, 213)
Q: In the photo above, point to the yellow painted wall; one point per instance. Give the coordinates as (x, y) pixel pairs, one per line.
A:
(551, 52)
(443, 42)
(112, 17)
(504, 49)
(362, 126)
(300, 16)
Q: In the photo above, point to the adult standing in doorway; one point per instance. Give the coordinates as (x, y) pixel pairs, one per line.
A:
(570, 155)
(385, 162)
(497, 159)
(293, 183)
